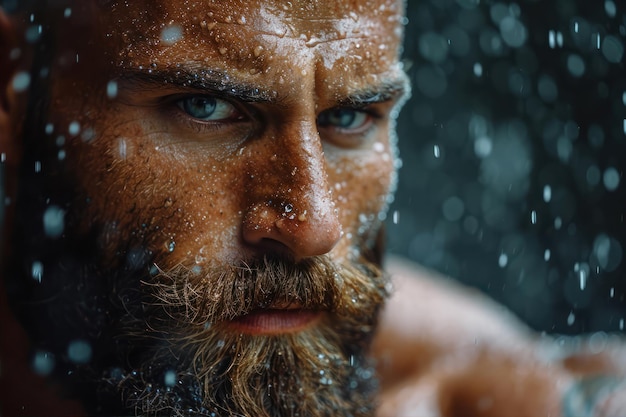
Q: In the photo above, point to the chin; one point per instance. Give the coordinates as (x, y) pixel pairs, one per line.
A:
(170, 342)
(315, 372)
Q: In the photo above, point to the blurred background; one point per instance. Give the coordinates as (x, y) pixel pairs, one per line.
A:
(513, 147)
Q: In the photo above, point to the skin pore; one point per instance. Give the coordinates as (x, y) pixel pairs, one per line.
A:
(221, 170)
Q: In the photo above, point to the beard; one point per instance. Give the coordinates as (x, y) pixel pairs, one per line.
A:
(183, 356)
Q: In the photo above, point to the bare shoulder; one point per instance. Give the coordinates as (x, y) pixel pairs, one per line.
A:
(442, 349)
(427, 305)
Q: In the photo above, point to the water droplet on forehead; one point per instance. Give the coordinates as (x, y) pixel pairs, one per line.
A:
(171, 34)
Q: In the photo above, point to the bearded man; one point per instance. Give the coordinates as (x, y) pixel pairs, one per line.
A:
(197, 190)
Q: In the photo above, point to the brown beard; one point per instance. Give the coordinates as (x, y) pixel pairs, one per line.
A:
(200, 366)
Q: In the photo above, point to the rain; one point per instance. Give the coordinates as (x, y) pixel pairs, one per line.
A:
(513, 148)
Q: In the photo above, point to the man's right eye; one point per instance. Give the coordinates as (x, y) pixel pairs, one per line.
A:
(208, 109)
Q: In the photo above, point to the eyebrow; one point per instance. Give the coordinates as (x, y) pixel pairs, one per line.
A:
(387, 90)
(210, 81)
(205, 80)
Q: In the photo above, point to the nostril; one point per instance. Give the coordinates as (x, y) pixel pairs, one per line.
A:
(282, 228)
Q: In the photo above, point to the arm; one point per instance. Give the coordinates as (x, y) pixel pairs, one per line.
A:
(446, 350)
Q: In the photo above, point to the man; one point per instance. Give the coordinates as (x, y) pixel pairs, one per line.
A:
(197, 190)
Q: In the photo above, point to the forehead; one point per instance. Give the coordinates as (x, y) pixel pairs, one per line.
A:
(276, 39)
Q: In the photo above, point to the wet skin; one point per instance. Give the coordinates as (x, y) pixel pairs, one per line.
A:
(196, 134)
(203, 135)
(252, 130)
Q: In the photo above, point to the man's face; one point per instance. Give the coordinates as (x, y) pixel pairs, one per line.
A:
(240, 152)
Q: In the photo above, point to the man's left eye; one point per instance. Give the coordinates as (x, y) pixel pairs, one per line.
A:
(207, 108)
(343, 118)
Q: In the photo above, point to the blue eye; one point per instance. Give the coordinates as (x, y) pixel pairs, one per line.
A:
(343, 118)
(207, 108)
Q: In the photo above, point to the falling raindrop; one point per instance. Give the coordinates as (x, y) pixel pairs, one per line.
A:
(21, 81)
(36, 271)
(53, 221)
(74, 128)
(547, 193)
(43, 363)
(112, 89)
(503, 260)
(170, 378)
(571, 318)
(79, 351)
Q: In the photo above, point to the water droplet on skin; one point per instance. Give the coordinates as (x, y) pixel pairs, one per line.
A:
(87, 134)
(222, 50)
(171, 246)
(121, 146)
(171, 34)
(288, 208)
(503, 260)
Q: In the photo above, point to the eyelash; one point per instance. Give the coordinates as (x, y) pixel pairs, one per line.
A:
(246, 114)
(173, 104)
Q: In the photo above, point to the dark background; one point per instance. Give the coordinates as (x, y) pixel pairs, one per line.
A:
(513, 149)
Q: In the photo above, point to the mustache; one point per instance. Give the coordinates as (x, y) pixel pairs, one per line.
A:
(214, 294)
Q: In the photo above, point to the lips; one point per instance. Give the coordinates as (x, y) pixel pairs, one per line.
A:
(276, 321)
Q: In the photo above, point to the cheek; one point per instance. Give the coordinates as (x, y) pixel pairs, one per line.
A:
(142, 195)
(361, 188)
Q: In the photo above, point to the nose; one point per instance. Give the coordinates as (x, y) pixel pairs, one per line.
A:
(289, 206)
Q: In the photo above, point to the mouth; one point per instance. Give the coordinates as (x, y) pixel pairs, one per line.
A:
(275, 321)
